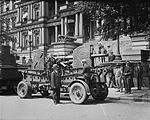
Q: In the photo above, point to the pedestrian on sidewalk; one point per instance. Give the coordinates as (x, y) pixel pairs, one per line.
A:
(111, 77)
(127, 72)
(118, 77)
(138, 74)
(149, 74)
(56, 83)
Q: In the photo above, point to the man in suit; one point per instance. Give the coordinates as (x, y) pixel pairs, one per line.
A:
(127, 72)
(55, 83)
(138, 74)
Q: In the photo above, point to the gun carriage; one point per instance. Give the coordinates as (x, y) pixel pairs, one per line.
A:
(72, 81)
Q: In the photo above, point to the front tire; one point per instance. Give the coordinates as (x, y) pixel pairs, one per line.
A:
(24, 89)
(78, 93)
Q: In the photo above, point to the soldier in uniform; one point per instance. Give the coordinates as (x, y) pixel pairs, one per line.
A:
(86, 71)
(55, 83)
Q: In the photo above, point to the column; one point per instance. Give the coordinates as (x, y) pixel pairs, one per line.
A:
(46, 36)
(40, 13)
(29, 14)
(43, 9)
(42, 35)
(81, 25)
(18, 15)
(56, 9)
(66, 25)
(20, 44)
(76, 24)
(56, 33)
(91, 30)
(11, 5)
(62, 26)
(97, 24)
(31, 7)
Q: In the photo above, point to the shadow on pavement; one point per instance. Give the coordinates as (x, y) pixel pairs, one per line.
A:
(8, 93)
(94, 102)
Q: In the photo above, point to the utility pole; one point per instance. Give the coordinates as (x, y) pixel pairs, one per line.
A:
(30, 42)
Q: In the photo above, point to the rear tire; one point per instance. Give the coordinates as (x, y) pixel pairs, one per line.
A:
(78, 93)
(99, 92)
(24, 89)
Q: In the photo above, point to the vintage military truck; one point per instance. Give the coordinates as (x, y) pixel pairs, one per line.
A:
(72, 81)
(9, 74)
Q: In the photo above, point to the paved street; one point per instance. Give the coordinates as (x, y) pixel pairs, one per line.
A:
(38, 108)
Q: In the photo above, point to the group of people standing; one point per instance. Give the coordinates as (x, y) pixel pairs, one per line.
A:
(121, 77)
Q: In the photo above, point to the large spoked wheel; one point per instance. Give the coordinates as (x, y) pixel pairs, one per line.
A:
(99, 91)
(24, 90)
(77, 93)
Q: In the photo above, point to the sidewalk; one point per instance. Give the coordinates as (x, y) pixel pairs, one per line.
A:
(142, 95)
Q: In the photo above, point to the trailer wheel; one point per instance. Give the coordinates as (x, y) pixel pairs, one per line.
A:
(77, 93)
(44, 93)
(99, 91)
(24, 89)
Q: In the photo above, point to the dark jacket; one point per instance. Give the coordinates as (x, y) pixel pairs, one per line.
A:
(111, 58)
(127, 72)
(55, 80)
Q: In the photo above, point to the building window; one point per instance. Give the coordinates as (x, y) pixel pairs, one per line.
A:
(51, 9)
(36, 8)
(37, 14)
(4, 26)
(13, 21)
(37, 39)
(9, 24)
(25, 40)
(25, 17)
(2, 8)
(7, 7)
(25, 14)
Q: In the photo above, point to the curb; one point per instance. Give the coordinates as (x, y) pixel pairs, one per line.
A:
(134, 99)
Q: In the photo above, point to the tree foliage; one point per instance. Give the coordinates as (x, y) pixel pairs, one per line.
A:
(119, 16)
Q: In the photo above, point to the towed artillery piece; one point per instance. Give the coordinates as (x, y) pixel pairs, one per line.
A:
(72, 82)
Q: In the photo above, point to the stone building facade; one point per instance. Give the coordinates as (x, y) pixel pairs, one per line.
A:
(39, 25)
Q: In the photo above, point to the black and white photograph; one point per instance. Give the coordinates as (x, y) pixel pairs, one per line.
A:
(74, 59)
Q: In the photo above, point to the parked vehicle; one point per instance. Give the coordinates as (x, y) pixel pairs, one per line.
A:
(9, 74)
(72, 83)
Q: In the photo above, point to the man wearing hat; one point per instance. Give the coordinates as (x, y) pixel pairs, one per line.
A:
(138, 74)
(86, 71)
(127, 77)
(55, 83)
